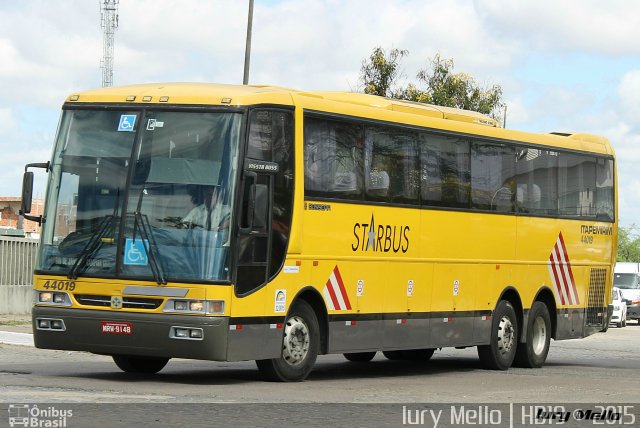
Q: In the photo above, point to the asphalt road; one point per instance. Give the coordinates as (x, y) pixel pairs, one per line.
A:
(600, 369)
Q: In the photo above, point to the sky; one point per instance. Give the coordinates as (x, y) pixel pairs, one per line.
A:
(568, 66)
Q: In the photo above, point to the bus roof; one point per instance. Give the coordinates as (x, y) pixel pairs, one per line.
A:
(350, 103)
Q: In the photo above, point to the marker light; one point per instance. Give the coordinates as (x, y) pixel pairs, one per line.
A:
(164, 99)
(131, 98)
(147, 98)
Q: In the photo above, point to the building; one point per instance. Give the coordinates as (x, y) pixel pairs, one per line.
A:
(12, 224)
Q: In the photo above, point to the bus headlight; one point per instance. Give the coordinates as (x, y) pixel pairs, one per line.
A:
(204, 307)
(54, 298)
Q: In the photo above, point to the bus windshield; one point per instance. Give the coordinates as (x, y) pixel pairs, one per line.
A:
(141, 195)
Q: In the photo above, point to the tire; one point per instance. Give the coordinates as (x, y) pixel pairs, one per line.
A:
(360, 357)
(500, 352)
(141, 365)
(533, 352)
(619, 324)
(409, 355)
(393, 355)
(417, 354)
(300, 347)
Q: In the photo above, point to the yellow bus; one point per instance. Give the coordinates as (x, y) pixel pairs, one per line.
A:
(232, 223)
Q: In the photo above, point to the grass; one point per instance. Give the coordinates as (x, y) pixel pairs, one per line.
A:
(14, 323)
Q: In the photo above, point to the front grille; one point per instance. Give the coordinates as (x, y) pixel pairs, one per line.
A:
(127, 302)
(596, 303)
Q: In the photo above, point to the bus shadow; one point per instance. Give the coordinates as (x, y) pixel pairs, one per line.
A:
(381, 368)
(324, 370)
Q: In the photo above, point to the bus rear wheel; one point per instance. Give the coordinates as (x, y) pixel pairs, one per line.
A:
(300, 347)
(500, 352)
(533, 352)
(359, 357)
(141, 365)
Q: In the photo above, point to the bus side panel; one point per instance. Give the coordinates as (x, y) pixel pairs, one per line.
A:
(453, 304)
(253, 336)
(404, 282)
(355, 323)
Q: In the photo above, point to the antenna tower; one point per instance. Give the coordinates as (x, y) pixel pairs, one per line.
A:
(109, 23)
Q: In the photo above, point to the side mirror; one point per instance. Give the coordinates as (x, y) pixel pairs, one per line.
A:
(27, 191)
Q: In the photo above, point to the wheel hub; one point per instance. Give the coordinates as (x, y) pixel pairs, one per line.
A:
(296, 341)
(506, 335)
(539, 337)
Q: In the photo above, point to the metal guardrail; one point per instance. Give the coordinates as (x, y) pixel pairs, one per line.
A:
(17, 260)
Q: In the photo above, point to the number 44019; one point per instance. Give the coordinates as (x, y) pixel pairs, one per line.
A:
(53, 284)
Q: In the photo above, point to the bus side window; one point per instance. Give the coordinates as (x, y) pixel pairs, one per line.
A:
(333, 159)
(492, 177)
(536, 181)
(576, 185)
(604, 189)
(391, 165)
(445, 171)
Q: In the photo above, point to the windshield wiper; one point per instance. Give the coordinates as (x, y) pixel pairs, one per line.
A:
(91, 247)
(150, 246)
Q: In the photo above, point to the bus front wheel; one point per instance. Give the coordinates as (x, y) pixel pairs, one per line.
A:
(533, 352)
(300, 347)
(500, 352)
(141, 365)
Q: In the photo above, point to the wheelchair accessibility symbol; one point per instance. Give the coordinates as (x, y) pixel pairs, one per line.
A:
(126, 122)
(135, 253)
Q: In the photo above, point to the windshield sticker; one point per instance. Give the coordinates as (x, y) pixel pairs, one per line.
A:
(153, 124)
(127, 122)
(135, 252)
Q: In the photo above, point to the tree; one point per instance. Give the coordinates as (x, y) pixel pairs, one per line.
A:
(436, 84)
(628, 244)
(379, 72)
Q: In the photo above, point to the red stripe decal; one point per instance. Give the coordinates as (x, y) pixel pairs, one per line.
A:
(556, 280)
(334, 299)
(565, 283)
(566, 257)
(345, 297)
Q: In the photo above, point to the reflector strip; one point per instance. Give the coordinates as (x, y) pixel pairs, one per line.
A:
(334, 292)
(562, 274)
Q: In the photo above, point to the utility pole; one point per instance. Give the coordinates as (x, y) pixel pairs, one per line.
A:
(247, 50)
(109, 23)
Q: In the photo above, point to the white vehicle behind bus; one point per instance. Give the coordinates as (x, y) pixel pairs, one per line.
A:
(627, 279)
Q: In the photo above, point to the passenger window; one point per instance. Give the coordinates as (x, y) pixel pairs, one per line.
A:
(604, 189)
(537, 181)
(391, 159)
(333, 153)
(493, 184)
(576, 185)
(445, 171)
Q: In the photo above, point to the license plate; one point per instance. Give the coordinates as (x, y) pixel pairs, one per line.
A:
(110, 327)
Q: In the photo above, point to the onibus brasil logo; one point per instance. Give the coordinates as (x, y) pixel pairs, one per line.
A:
(30, 415)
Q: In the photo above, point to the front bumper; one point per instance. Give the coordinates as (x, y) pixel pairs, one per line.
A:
(150, 334)
(633, 312)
